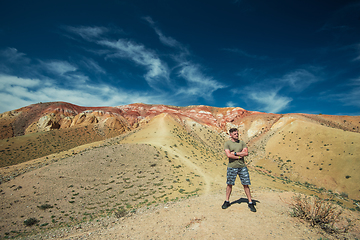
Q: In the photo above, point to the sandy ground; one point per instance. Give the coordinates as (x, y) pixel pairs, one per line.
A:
(200, 218)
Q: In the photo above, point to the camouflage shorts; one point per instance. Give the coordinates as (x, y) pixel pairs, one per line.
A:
(243, 174)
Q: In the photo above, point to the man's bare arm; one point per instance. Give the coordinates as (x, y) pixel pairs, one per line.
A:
(243, 153)
(231, 155)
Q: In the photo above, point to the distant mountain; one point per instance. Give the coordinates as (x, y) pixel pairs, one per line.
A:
(61, 115)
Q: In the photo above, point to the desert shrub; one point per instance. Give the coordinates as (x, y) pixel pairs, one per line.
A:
(344, 195)
(30, 221)
(318, 212)
(45, 206)
(120, 213)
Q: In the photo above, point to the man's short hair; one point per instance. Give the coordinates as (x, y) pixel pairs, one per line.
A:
(232, 130)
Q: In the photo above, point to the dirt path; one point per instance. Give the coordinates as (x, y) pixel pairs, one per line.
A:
(157, 133)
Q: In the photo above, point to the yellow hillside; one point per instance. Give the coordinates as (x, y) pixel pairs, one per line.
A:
(193, 163)
(308, 152)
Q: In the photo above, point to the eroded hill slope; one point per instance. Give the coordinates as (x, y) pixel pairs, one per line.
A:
(167, 159)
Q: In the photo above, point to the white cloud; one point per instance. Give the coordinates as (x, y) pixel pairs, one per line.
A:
(13, 56)
(168, 41)
(86, 32)
(197, 83)
(157, 70)
(93, 66)
(298, 80)
(230, 104)
(349, 96)
(11, 60)
(8, 102)
(270, 101)
(9, 81)
(58, 67)
(265, 94)
(19, 92)
(78, 81)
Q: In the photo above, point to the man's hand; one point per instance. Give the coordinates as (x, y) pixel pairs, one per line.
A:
(231, 155)
(243, 153)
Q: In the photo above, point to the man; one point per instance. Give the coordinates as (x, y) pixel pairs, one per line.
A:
(236, 150)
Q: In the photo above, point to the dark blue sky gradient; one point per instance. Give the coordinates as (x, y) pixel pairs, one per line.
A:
(269, 56)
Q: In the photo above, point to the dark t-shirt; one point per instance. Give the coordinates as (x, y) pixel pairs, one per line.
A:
(235, 147)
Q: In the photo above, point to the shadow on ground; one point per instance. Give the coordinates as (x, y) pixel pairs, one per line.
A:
(244, 200)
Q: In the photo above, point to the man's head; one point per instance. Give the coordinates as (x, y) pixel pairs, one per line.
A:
(234, 134)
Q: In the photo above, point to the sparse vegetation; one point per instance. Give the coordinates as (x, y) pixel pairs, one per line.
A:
(123, 174)
(318, 212)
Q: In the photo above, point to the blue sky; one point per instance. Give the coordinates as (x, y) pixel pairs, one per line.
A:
(269, 56)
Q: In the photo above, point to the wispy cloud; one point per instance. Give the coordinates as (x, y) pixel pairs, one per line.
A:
(348, 96)
(273, 94)
(138, 53)
(357, 50)
(352, 97)
(11, 60)
(12, 55)
(157, 70)
(270, 101)
(198, 84)
(58, 67)
(72, 79)
(92, 65)
(298, 80)
(88, 33)
(168, 41)
(230, 104)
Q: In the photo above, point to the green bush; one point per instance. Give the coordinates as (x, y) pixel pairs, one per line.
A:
(45, 206)
(30, 221)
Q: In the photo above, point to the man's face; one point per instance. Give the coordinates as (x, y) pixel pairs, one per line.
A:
(234, 135)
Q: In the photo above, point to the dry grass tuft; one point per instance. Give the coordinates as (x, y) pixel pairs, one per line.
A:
(121, 213)
(319, 212)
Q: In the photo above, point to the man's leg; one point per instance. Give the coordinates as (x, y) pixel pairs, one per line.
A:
(228, 192)
(248, 195)
(227, 204)
(247, 192)
(230, 181)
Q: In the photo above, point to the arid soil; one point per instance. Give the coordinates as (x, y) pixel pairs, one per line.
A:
(201, 218)
(188, 217)
(166, 180)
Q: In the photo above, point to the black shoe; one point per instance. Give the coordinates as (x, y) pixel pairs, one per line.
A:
(225, 205)
(252, 207)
